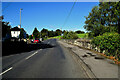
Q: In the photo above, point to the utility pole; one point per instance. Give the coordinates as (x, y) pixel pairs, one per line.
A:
(20, 17)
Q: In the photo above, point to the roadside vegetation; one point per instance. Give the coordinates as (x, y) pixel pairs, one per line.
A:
(103, 25)
(83, 35)
(70, 35)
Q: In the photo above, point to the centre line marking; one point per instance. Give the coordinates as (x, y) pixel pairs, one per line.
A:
(6, 71)
(32, 55)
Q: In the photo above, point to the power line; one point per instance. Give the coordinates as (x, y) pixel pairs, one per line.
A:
(69, 14)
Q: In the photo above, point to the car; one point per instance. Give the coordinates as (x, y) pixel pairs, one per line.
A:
(36, 41)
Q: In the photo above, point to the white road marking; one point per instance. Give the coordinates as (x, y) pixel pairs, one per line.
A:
(39, 49)
(31, 55)
(6, 71)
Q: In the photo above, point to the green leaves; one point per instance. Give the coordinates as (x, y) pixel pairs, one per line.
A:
(103, 18)
(70, 35)
(109, 42)
(36, 33)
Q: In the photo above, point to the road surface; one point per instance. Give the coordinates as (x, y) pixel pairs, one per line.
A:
(55, 62)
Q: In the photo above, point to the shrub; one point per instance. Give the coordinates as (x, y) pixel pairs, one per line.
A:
(110, 42)
(70, 35)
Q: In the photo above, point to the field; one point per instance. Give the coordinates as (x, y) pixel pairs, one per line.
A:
(56, 37)
(84, 35)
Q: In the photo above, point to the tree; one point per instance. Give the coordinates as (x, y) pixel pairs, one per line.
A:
(44, 32)
(51, 33)
(79, 32)
(103, 18)
(58, 32)
(22, 33)
(27, 36)
(36, 33)
(30, 37)
(63, 31)
(5, 27)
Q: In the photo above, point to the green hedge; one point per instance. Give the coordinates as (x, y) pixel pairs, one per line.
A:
(110, 42)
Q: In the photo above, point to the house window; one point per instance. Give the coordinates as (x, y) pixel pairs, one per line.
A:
(14, 32)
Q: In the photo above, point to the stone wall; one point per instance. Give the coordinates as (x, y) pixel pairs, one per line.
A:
(85, 43)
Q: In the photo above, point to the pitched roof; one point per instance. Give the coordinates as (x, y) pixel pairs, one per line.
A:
(15, 29)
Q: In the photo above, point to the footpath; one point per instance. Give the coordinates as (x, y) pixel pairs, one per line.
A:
(99, 65)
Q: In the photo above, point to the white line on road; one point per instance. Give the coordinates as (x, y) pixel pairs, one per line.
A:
(6, 71)
(40, 49)
(32, 55)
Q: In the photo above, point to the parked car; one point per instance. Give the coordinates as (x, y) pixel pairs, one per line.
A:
(36, 41)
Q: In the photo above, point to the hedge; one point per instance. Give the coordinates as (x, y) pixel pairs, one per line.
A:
(110, 42)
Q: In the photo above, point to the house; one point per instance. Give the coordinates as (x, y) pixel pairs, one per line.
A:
(15, 32)
(18, 33)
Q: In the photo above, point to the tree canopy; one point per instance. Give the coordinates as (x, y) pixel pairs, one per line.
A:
(103, 18)
(36, 33)
(79, 32)
(5, 27)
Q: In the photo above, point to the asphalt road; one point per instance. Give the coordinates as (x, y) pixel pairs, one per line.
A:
(55, 62)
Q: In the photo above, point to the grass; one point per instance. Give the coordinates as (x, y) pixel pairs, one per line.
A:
(84, 35)
(56, 37)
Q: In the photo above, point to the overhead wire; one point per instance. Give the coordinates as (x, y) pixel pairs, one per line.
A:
(69, 13)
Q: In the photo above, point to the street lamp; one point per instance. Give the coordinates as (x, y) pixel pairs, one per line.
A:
(20, 16)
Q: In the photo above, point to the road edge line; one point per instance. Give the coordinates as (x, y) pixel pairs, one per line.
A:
(6, 71)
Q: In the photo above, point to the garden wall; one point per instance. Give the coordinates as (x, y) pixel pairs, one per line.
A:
(85, 43)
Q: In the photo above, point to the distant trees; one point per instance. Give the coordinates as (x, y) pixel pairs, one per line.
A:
(103, 18)
(58, 32)
(48, 33)
(51, 33)
(70, 35)
(44, 32)
(79, 32)
(36, 33)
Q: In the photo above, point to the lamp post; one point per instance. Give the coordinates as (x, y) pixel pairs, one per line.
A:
(20, 16)
(20, 22)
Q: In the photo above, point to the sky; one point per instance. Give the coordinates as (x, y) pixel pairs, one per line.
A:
(49, 15)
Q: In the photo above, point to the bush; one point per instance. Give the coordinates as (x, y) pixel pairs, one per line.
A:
(91, 35)
(70, 35)
(110, 42)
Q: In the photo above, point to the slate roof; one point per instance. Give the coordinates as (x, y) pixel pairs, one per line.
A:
(15, 29)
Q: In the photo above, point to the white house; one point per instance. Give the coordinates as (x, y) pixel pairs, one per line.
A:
(15, 32)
